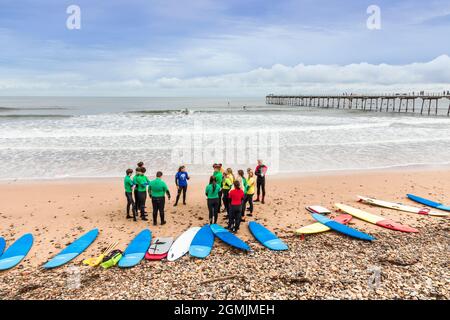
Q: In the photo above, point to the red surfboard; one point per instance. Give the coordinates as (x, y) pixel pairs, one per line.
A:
(159, 248)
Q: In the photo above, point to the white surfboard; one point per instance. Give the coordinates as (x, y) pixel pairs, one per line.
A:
(181, 245)
(400, 207)
(318, 209)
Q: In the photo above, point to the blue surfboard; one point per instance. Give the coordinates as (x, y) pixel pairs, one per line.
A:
(2, 245)
(72, 250)
(229, 238)
(136, 250)
(202, 243)
(16, 252)
(428, 202)
(265, 237)
(342, 228)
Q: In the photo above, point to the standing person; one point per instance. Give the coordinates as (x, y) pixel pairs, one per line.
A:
(157, 190)
(260, 173)
(218, 174)
(236, 196)
(227, 183)
(141, 182)
(212, 192)
(250, 192)
(181, 179)
(243, 183)
(129, 184)
(136, 198)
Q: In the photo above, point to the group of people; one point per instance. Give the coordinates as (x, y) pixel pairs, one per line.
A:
(233, 192)
(157, 190)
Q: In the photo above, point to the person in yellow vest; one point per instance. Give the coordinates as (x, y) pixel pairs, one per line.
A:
(251, 183)
(227, 184)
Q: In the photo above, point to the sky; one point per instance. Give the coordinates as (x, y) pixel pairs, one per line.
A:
(222, 47)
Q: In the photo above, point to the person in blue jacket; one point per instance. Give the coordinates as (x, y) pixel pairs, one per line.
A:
(181, 180)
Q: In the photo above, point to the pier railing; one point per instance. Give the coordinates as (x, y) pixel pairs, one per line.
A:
(428, 104)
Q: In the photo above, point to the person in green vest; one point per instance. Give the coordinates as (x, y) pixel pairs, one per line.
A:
(212, 193)
(129, 185)
(141, 181)
(243, 182)
(157, 190)
(140, 165)
(218, 174)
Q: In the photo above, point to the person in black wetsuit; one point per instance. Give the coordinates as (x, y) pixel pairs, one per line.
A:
(212, 193)
(141, 181)
(260, 173)
(157, 190)
(136, 196)
(129, 185)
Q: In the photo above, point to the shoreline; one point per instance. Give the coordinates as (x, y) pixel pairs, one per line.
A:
(283, 175)
(59, 211)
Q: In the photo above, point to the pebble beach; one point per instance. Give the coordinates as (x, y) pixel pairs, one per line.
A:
(323, 266)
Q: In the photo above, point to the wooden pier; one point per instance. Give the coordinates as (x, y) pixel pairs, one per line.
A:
(428, 104)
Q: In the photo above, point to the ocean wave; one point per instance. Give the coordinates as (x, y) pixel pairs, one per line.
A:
(422, 124)
(5, 109)
(33, 116)
(176, 145)
(161, 112)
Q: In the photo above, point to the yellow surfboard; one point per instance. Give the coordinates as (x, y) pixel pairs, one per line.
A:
(312, 228)
(378, 220)
(369, 217)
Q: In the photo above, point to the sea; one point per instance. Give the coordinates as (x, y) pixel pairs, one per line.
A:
(94, 137)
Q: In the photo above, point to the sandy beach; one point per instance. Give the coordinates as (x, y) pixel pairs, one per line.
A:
(328, 265)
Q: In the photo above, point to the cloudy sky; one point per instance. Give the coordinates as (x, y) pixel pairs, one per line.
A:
(222, 47)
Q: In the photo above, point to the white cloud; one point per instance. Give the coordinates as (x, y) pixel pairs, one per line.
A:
(362, 77)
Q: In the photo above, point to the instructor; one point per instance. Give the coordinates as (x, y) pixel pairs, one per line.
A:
(260, 173)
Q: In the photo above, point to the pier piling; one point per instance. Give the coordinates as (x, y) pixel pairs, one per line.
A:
(380, 103)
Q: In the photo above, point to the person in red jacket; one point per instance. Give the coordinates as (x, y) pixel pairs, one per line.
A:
(260, 173)
(236, 196)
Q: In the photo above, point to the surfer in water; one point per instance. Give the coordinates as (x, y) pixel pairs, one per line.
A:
(181, 179)
(236, 196)
(141, 181)
(260, 173)
(129, 185)
(157, 190)
(250, 192)
(212, 192)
